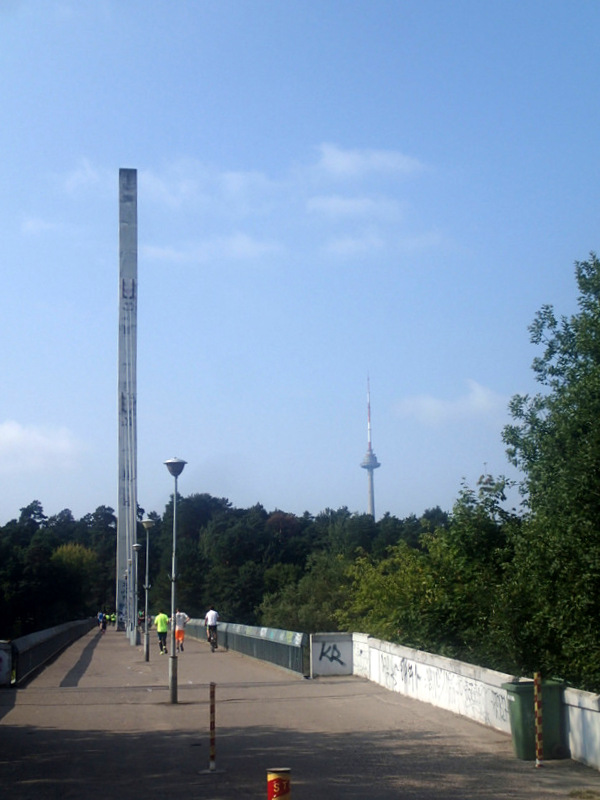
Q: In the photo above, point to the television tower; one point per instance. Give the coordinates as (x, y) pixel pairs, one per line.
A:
(370, 460)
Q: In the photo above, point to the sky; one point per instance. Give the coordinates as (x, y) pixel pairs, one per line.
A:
(329, 191)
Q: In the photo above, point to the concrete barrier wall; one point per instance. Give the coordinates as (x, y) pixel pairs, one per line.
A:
(582, 720)
(360, 654)
(5, 663)
(331, 654)
(473, 692)
(464, 689)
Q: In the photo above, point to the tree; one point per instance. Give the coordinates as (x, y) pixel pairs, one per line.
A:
(32, 515)
(312, 603)
(387, 596)
(467, 562)
(555, 440)
(98, 532)
(77, 567)
(440, 596)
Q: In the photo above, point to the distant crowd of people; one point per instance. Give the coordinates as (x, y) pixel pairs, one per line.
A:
(105, 619)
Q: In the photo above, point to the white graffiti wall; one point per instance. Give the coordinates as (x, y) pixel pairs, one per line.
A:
(461, 688)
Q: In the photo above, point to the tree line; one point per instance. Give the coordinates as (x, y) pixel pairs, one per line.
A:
(512, 590)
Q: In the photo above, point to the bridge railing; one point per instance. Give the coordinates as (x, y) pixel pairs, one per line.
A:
(24, 656)
(287, 649)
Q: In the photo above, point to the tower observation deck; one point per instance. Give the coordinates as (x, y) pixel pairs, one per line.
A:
(370, 462)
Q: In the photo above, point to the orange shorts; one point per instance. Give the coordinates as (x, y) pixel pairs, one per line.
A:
(179, 634)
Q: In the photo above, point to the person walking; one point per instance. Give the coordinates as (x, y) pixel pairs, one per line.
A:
(210, 621)
(161, 623)
(181, 620)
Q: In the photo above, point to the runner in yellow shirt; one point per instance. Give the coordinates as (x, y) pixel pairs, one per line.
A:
(161, 623)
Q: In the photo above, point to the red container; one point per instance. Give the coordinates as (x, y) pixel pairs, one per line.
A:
(278, 783)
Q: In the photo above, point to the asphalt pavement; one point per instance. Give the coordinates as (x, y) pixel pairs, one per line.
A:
(98, 723)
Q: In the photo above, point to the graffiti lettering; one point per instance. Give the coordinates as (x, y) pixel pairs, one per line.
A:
(388, 670)
(331, 652)
(499, 706)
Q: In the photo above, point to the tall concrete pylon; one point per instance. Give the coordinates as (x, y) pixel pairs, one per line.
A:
(127, 399)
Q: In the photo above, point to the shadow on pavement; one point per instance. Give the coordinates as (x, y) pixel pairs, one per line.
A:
(49, 764)
(75, 674)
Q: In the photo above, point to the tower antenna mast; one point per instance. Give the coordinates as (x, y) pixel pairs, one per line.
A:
(370, 462)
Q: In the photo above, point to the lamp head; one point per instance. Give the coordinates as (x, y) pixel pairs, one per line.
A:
(175, 466)
(148, 523)
(137, 547)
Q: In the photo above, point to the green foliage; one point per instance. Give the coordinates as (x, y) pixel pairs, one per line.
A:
(555, 439)
(312, 602)
(440, 595)
(54, 569)
(387, 596)
(76, 568)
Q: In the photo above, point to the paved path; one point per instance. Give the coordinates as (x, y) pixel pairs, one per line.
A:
(97, 723)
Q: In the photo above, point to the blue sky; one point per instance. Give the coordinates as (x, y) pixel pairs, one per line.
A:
(326, 190)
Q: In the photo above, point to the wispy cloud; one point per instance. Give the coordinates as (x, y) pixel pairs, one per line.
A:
(353, 246)
(84, 176)
(32, 448)
(34, 226)
(237, 247)
(178, 186)
(244, 215)
(242, 246)
(190, 184)
(245, 188)
(337, 206)
(478, 402)
(342, 163)
(428, 240)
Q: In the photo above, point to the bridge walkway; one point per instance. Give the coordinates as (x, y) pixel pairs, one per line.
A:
(97, 723)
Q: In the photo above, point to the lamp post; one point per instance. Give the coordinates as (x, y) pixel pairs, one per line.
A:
(129, 598)
(136, 628)
(147, 523)
(126, 604)
(175, 467)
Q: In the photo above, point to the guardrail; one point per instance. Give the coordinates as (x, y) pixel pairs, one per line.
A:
(286, 649)
(28, 653)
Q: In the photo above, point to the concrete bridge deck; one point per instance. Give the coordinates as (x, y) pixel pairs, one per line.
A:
(97, 723)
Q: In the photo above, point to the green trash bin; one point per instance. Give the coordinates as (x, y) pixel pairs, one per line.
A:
(521, 710)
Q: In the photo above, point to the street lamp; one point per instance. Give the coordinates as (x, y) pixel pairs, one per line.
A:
(175, 467)
(129, 597)
(136, 629)
(147, 523)
(125, 611)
